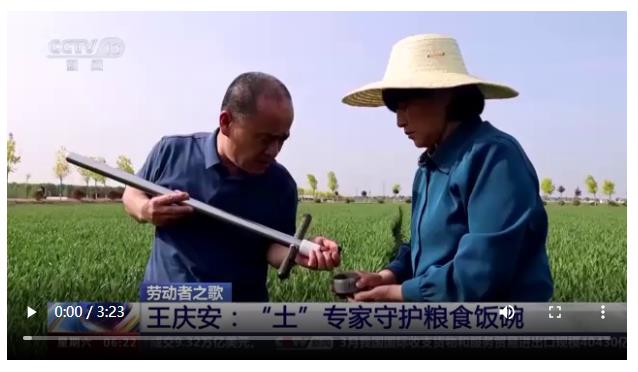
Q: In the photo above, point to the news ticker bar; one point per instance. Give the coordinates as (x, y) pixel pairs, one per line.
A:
(342, 319)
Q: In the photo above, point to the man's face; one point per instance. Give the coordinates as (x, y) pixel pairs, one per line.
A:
(256, 139)
(423, 119)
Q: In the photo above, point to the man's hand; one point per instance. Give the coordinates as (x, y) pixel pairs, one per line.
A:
(391, 292)
(326, 258)
(163, 210)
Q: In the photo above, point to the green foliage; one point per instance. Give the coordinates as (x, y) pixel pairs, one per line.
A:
(396, 189)
(608, 188)
(124, 163)
(592, 185)
(61, 169)
(312, 181)
(547, 186)
(86, 175)
(12, 158)
(333, 185)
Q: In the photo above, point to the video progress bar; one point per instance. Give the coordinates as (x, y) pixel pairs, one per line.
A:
(327, 338)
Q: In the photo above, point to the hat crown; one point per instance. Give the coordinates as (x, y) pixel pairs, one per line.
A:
(421, 54)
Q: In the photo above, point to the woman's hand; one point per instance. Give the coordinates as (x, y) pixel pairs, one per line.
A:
(389, 293)
(381, 286)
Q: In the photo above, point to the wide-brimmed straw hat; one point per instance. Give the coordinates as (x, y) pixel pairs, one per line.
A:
(428, 61)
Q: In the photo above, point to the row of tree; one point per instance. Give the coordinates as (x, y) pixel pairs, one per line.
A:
(608, 188)
(62, 168)
(333, 186)
(70, 190)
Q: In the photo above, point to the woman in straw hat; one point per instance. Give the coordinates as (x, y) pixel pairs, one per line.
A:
(478, 223)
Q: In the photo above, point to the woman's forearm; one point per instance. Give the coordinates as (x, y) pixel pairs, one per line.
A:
(388, 276)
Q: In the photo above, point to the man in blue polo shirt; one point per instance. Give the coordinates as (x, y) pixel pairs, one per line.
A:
(234, 169)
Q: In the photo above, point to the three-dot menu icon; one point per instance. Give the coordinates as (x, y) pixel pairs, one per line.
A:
(602, 311)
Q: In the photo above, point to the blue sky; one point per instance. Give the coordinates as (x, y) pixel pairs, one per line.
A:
(570, 69)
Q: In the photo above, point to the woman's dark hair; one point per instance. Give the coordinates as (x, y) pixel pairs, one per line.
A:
(467, 100)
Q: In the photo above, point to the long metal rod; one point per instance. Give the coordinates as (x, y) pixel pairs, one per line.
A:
(154, 189)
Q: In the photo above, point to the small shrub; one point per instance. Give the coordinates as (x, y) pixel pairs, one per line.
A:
(408, 200)
(38, 195)
(380, 200)
(561, 202)
(317, 200)
(576, 202)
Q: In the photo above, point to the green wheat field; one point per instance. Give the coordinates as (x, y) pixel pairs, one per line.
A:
(95, 252)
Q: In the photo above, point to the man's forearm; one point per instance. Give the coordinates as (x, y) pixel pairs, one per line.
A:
(276, 254)
(134, 201)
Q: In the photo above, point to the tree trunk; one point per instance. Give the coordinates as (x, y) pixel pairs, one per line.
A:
(60, 196)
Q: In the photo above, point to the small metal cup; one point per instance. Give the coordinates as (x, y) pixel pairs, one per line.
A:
(344, 284)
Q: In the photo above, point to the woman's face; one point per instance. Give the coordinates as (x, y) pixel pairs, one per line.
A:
(423, 119)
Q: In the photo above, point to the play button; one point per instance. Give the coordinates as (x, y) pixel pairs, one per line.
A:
(30, 312)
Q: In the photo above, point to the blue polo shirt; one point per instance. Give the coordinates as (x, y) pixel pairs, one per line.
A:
(200, 248)
(479, 226)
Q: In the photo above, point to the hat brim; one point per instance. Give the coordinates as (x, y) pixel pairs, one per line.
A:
(370, 95)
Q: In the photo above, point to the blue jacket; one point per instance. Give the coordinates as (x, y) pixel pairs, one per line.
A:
(479, 227)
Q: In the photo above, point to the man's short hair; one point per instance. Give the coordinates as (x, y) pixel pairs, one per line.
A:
(243, 92)
(467, 101)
